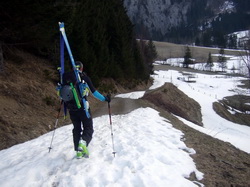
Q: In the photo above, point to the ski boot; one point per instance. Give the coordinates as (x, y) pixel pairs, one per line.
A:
(82, 149)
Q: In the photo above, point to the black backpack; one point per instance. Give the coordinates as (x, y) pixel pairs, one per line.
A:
(67, 90)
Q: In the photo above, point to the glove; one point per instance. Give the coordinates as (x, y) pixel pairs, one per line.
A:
(108, 98)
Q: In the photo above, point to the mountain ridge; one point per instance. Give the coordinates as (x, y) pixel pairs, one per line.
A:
(181, 21)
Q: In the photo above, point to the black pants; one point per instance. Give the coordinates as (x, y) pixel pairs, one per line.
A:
(83, 127)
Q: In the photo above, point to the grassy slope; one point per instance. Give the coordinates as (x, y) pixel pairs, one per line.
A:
(200, 54)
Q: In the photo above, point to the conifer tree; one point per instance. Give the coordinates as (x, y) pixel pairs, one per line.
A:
(209, 63)
(232, 41)
(187, 58)
(152, 55)
(222, 59)
(100, 34)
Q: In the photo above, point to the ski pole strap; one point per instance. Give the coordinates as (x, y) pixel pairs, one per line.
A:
(75, 96)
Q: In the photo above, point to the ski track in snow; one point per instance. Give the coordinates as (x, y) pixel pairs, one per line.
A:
(149, 152)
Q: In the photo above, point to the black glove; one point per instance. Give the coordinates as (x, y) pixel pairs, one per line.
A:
(108, 98)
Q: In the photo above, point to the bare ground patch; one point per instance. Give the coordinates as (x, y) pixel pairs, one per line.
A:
(28, 99)
(234, 108)
(170, 98)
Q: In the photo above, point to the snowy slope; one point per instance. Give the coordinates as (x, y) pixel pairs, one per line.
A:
(206, 90)
(149, 153)
(149, 150)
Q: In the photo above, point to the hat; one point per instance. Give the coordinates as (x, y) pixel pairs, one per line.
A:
(79, 65)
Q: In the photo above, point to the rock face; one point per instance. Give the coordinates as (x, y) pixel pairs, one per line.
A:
(158, 17)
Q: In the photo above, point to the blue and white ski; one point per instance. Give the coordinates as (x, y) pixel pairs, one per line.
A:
(64, 40)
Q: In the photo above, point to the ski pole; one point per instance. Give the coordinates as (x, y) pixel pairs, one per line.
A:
(57, 118)
(112, 135)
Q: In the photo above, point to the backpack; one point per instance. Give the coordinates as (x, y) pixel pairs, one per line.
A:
(68, 91)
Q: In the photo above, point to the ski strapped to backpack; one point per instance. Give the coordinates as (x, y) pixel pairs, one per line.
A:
(75, 95)
(64, 42)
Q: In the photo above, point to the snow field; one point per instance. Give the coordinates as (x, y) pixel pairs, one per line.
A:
(206, 90)
(149, 151)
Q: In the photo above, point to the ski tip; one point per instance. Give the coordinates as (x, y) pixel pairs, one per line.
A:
(61, 25)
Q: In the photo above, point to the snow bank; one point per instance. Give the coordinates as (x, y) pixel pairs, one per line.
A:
(132, 95)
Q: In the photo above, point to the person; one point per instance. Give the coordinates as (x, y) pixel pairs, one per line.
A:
(81, 117)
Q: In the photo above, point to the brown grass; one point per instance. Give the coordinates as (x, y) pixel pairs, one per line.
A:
(171, 99)
(200, 54)
(28, 99)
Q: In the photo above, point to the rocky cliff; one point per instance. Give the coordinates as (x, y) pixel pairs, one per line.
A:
(158, 18)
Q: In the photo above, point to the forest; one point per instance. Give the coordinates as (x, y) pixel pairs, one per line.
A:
(99, 32)
(206, 29)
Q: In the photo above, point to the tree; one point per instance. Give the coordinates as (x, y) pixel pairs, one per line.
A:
(206, 39)
(148, 54)
(31, 26)
(151, 55)
(245, 56)
(152, 50)
(222, 60)
(197, 41)
(232, 41)
(209, 63)
(1, 60)
(100, 34)
(187, 58)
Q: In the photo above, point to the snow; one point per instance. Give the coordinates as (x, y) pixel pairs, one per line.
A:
(206, 90)
(242, 34)
(149, 152)
(132, 95)
(235, 64)
(228, 6)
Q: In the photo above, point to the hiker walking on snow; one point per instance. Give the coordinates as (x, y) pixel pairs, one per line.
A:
(83, 124)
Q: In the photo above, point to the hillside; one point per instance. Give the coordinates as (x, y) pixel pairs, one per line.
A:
(28, 99)
(96, 30)
(205, 22)
(29, 103)
(222, 164)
